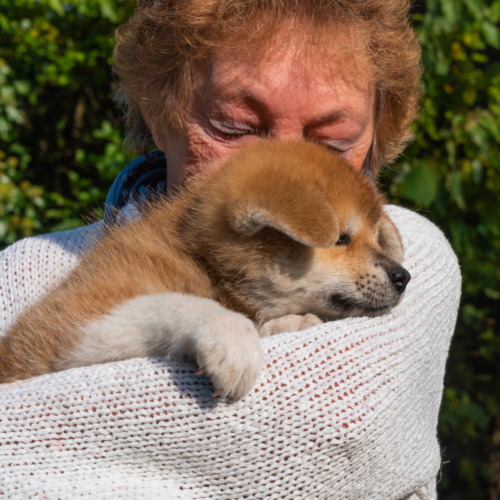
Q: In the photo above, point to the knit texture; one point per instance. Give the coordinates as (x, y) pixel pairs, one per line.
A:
(346, 410)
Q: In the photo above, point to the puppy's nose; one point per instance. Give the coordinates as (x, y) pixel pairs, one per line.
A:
(400, 278)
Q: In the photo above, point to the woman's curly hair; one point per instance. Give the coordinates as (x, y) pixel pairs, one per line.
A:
(158, 51)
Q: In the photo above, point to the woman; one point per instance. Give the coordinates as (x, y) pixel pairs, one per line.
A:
(347, 410)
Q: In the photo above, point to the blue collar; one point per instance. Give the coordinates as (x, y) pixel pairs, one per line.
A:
(136, 183)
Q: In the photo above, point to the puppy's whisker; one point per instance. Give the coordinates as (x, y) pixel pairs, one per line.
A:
(355, 270)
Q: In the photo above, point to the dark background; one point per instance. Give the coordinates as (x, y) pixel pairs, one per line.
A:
(60, 149)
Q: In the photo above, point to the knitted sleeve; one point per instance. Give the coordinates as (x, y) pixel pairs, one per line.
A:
(345, 410)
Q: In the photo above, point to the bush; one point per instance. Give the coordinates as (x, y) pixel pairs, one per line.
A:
(60, 140)
(451, 172)
(60, 149)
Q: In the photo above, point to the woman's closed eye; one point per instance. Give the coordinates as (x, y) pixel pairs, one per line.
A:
(333, 149)
(333, 145)
(232, 132)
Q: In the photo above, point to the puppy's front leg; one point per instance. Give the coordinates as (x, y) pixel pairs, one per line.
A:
(225, 344)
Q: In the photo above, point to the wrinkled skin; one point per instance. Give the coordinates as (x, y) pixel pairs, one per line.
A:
(290, 94)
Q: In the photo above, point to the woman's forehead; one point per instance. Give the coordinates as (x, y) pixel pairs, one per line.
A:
(334, 60)
(237, 73)
(285, 76)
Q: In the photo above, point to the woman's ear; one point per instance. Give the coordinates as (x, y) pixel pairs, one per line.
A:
(171, 144)
(389, 240)
(159, 136)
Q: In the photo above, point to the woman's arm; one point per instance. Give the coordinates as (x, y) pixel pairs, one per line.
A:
(343, 410)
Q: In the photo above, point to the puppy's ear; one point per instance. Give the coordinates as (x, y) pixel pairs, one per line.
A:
(304, 215)
(389, 240)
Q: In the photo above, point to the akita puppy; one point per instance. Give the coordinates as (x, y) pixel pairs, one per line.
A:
(285, 235)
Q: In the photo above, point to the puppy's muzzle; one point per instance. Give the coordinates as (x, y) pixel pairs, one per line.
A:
(399, 277)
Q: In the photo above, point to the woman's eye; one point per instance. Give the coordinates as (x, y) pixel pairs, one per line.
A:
(333, 145)
(343, 240)
(229, 133)
(234, 134)
(334, 149)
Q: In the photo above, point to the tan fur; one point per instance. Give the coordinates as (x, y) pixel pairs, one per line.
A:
(259, 237)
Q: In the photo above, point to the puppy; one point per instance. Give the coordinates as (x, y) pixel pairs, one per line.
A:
(284, 236)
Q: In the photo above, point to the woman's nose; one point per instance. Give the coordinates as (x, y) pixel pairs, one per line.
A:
(287, 132)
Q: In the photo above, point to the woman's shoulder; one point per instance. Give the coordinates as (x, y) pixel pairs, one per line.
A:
(421, 238)
(72, 241)
(414, 226)
(427, 250)
(31, 266)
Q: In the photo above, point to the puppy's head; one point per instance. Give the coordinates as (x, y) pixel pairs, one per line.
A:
(291, 228)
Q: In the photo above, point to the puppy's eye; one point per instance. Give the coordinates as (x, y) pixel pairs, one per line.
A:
(343, 240)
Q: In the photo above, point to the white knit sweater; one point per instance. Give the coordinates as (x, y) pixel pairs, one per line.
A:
(346, 410)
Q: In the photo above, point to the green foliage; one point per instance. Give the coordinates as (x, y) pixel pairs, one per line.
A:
(451, 172)
(60, 149)
(60, 143)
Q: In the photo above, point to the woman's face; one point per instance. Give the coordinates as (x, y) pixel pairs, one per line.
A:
(289, 95)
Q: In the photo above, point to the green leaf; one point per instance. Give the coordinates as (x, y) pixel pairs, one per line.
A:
(420, 185)
(108, 10)
(494, 294)
(491, 34)
(454, 183)
(66, 224)
(476, 7)
(56, 5)
(450, 10)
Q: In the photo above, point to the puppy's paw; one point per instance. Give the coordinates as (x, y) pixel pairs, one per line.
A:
(228, 350)
(290, 323)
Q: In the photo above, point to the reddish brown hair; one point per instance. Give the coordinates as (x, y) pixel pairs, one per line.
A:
(158, 50)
